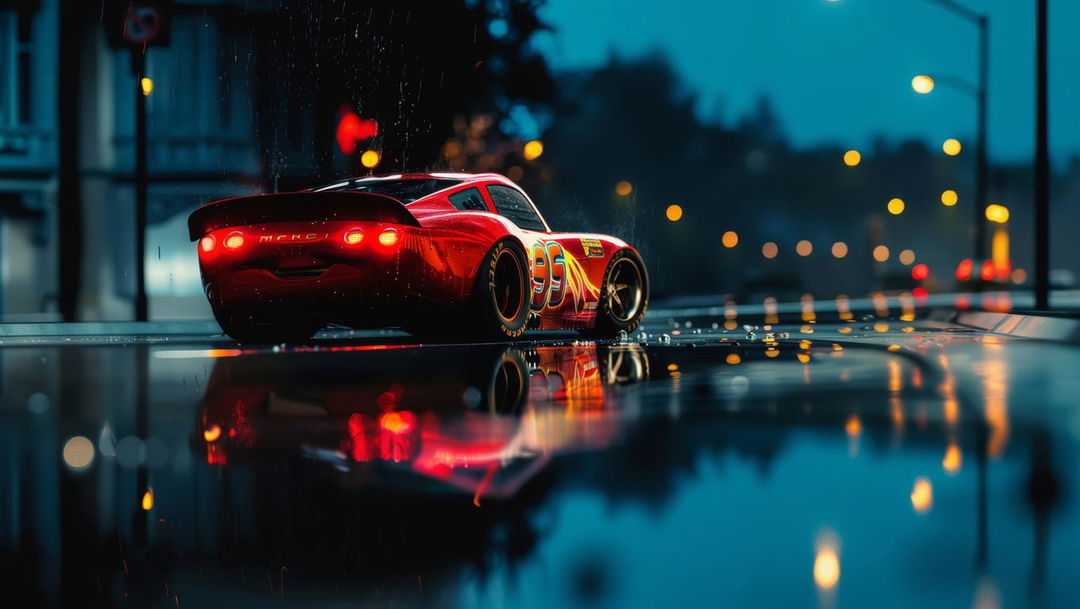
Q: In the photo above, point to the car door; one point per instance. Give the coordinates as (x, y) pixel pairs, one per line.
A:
(562, 286)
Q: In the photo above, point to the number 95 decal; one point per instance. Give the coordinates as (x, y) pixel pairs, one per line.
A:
(549, 275)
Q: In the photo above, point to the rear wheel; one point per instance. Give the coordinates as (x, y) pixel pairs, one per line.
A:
(623, 296)
(501, 293)
(265, 328)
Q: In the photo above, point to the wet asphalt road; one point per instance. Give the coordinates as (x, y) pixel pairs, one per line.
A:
(890, 460)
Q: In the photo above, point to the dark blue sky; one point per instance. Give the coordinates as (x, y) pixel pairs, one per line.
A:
(839, 72)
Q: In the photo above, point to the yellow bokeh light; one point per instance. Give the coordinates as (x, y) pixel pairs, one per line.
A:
(623, 188)
(78, 452)
(730, 239)
(826, 566)
(733, 358)
(804, 248)
(839, 249)
(147, 85)
(881, 253)
(997, 213)
(852, 158)
(951, 147)
(769, 250)
(906, 257)
(922, 495)
(949, 198)
(212, 432)
(896, 206)
(533, 149)
(148, 500)
(853, 426)
(673, 213)
(922, 84)
(370, 159)
(953, 459)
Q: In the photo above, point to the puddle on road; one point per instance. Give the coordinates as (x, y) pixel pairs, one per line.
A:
(754, 474)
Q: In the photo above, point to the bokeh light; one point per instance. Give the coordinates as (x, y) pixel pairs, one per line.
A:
(147, 86)
(1019, 276)
(896, 206)
(852, 158)
(673, 213)
(839, 249)
(951, 147)
(922, 84)
(623, 188)
(997, 213)
(906, 257)
(78, 452)
(770, 250)
(949, 198)
(730, 239)
(533, 149)
(370, 159)
(922, 495)
(804, 248)
(881, 253)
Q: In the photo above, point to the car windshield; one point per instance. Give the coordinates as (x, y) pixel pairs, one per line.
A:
(405, 191)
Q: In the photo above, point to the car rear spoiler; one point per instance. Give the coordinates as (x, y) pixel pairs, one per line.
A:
(297, 207)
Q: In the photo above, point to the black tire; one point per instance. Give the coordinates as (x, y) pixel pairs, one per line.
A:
(500, 299)
(624, 296)
(265, 329)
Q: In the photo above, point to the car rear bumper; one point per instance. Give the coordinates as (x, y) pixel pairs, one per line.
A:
(324, 278)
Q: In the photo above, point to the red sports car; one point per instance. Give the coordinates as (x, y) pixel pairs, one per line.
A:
(434, 253)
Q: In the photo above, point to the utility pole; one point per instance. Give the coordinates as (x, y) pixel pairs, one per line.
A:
(69, 202)
(138, 67)
(1042, 166)
(981, 169)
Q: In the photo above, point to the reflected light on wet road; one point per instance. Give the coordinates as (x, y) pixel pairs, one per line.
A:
(922, 495)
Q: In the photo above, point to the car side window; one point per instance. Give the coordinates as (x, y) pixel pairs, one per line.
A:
(513, 206)
(468, 200)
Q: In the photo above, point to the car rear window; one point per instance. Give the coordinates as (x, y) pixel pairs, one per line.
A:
(513, 206)
(405, 191)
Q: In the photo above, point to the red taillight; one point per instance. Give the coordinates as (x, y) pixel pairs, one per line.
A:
(987, 272)
(963, 270)
(234, 241)
(206, 244)
(920, 272)
(388, 237)
(354, 236)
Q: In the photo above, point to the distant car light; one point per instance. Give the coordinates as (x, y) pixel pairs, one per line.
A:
(388, 237)
(234, 241)
(354, 236)
(207, 243)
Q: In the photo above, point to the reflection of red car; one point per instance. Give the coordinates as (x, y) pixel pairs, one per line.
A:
(484, 422)
(430, 252)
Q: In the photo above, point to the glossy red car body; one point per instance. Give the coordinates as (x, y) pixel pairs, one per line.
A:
(362, 258)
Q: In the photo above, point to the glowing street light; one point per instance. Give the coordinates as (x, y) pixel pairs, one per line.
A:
(896, 206)
(673, 213)
(852, 158)
(533, 149)
(997, 213)
(623, 188)
(922, 84)
(370, 159)
(949, 198)
(730, 239)
(951, 147)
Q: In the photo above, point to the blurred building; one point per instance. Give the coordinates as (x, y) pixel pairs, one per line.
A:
(201, 146)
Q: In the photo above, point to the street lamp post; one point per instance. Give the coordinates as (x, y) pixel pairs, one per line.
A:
(982, 22)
